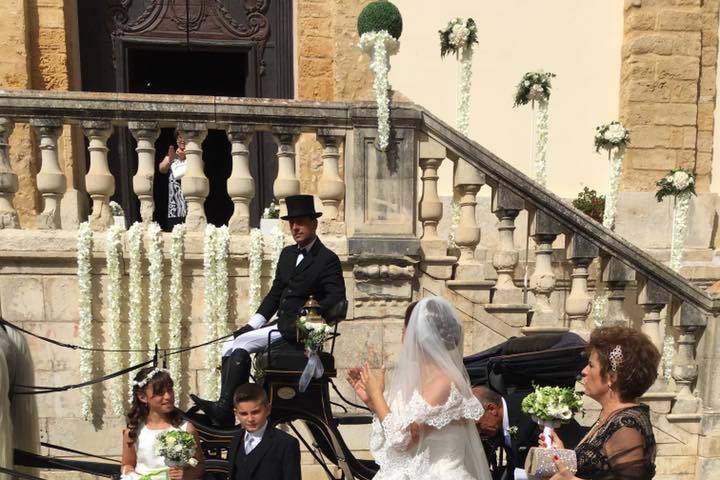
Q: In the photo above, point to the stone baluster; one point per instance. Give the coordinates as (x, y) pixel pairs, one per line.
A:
(286, 183)
(51, 181)
(430, 209)
(8, 178)
(506, 206)
(467, 182)
(145, 134)
(331, 187)
(240, 184)
(687, 321)
(99, 182)
(581, 252)
(616, 276)
(195, 185)
(653, 299)
(544, 231)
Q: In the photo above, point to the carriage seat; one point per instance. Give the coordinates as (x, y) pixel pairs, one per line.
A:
(290, 358)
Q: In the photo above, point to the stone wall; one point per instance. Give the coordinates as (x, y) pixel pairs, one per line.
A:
(39, 50)
(667, 95)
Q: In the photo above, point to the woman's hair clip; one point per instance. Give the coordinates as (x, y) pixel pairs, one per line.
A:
(616, 358)
(148, 377)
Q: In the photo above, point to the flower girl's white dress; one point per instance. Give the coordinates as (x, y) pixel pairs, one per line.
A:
(442, 450)
(147, 462)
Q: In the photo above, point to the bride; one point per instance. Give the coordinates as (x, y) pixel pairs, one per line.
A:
(424, 425)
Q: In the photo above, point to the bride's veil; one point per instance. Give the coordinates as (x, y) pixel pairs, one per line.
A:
(432, 354)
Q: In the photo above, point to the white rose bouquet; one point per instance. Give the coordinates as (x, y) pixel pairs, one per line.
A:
(611, 135)
(272, 211)
(177, 448)
(677, 182)
(313, 334)
(552, 406)
(533, 87)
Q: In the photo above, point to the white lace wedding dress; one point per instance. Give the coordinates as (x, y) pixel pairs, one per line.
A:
(441, 449)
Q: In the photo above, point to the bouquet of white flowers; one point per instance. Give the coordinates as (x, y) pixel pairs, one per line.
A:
(177, 448)
(272, 211)
(313, 334)
(533, 87)
(611, 135)
(552, 406)
(678, 181)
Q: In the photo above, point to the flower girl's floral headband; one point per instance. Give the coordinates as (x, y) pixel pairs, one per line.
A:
(141, 384)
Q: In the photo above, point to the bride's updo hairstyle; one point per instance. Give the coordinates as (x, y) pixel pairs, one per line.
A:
(435, 320)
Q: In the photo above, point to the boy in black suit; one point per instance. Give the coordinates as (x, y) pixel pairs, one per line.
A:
(260, 452)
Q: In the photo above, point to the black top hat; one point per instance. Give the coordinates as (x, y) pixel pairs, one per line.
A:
(300, 206)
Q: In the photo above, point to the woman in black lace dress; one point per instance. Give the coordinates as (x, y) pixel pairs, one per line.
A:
(620, 445)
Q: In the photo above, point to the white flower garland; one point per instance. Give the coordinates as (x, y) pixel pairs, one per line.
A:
(668, 353)
(255, 261)
(135, 294)
(177, 255)
(278, 243)
(113, 254)
(541, 141)
(463, 105)
(679, 229)
(380, 46)
(615, 158)
(155, 279)
(84, 261)
(215, 263)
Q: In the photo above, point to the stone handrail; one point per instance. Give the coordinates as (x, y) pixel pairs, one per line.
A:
(267, 114)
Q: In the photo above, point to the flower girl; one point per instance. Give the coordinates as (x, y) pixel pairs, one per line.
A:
(151, 417)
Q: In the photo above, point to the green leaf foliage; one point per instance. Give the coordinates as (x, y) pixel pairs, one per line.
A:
(380, 15)
(591, 204)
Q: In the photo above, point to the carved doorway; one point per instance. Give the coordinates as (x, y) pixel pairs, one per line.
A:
(240, 48)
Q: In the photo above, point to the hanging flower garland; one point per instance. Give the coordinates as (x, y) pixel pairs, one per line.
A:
(278, 243)
(135, 294)
(113, 255)
(680, 184)
(458, 38)
(155, 279)
(222, 245)
(668, 353)
(255, 261)
(379, 26)
(84, 273)
(535, 87)
(177, 255)
(614, 138)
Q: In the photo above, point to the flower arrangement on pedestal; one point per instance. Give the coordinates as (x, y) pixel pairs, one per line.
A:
(113, 289)
(459, 38)
(84, 274)
(379, 26)
(535, 87)
(680, 184)
(177, 255)
(614, 138)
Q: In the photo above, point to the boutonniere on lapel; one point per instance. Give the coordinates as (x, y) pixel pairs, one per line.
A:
(513, 431)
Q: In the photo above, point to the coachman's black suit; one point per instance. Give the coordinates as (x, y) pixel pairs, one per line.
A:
(276, 457)
(319, 274)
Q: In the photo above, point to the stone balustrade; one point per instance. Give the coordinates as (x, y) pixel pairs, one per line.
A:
(390, 209)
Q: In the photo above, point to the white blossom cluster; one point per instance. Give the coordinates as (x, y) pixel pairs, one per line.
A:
(155, 280)
(84, 274)
(278, 242)
(113, 289)
(463, 102)
(135, 293)
(380, 46)
(616, 162)
(177, 255)
(255, 261)
(541, 142)
(611, 135)
(668, 352)
(215, 256)
(679, 229)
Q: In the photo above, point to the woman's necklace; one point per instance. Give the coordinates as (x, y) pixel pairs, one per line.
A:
(602, 421)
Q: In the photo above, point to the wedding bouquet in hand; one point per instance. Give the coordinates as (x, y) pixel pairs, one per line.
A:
(177, 448)
(550, 407)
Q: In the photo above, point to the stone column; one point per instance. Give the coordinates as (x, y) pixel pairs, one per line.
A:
(145, 134)
(653, 298)
(195, 185)
(286, 183)
(687, 321)
(467, 183)
(506, 206)
(240, 185)
(331, 187)
(430, 208)
(581, 252)
(544, 230)
(616, 275)
(99, 182)
(8, 178)
(51, 179)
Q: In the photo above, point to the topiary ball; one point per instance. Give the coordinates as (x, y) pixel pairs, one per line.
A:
(380, 15)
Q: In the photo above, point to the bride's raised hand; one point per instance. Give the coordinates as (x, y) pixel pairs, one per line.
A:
(353, 378)
(374, 385)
